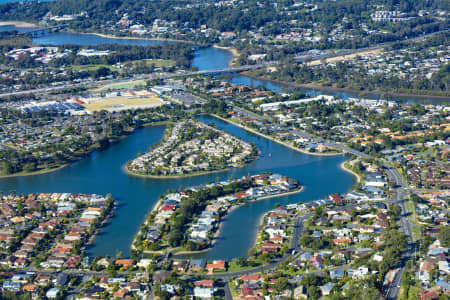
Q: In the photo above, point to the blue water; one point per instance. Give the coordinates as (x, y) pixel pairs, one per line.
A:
(90, 39)
(6, 1)
(211, 59)
(102, 173)
(18, 29)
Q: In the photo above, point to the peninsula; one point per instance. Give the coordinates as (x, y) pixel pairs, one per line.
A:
(193, 148)
(189, 220)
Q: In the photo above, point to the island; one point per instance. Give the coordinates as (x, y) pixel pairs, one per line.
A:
(188, 220)
(192, 148)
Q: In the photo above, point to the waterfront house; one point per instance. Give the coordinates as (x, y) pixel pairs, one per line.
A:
(336, 198)
(124, 263)
(216, 265)
(197, 264)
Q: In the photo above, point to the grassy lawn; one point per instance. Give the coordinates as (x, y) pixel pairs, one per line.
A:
(91, 67)
(413, 293)
(123, 85)
(410, 209)
(156, 62)
(11, 145)
(39, 170)
(234, 291)
(233, 267)
(416, 233)
(115, 102)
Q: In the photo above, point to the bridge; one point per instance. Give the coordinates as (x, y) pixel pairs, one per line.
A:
(144, 77)
(302, 58)
(44, 31)
(224, 70)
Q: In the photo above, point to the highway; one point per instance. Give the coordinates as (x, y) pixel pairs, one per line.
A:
(400, 190)
(300, 133)
(92, 84)
(88, 85)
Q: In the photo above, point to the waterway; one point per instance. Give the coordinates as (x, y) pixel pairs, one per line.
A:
(101, 172)
(213, 58)
(16, 28)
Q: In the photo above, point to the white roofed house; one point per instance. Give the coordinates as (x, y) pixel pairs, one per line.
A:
(204, 293)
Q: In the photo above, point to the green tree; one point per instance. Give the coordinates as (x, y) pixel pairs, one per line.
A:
(444, 236)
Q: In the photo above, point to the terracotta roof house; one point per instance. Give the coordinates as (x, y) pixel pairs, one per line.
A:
(428, 295)
(216, 265)
(205, 283)
(121, 293)
(336, 198)
(125, 263)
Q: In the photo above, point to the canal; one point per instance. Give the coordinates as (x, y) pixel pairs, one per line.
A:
(102, 172)
(212, 59)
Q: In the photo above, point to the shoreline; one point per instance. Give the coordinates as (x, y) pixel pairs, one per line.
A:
(233, 51)
(336, 89)
(230, 211)
(131, 173)
(155, 207)
(199, 173)
(110, 36)
(101, 226)
(20, 24)
(275, 140)
(342, 166)
(220, 227)
(261, 219)
(45, 171)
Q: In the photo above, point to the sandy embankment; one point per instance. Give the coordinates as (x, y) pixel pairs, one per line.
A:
(286, 144)
(342, 57)
(109, 36)
(17, 24)
(343, 167)
(233, 51)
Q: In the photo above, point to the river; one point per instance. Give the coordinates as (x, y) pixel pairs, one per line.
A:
(213, 58)
(101, 172)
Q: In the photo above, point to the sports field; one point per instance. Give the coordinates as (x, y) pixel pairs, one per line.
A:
(122, 85)
(121, 103)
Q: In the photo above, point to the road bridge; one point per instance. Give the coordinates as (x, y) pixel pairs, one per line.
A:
(44, 31)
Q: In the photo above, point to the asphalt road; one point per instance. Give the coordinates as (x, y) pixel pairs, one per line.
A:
(300, 133)
(230, 69)
(400, 191)
(405, 226)
(140, 77)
